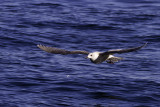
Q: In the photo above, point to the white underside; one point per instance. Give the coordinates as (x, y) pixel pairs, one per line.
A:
(110, 56)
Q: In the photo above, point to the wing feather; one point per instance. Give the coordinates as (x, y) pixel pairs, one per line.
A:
(60, 51)
(119, 51)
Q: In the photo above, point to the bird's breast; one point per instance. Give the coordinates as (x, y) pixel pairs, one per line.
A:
(100, 59)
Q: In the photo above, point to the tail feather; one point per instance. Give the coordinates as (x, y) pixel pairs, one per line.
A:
(114, 59)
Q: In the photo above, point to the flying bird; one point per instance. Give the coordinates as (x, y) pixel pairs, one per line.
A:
(95, 57)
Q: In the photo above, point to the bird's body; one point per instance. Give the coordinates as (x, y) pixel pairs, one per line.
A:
(99, 57)
(95, 57)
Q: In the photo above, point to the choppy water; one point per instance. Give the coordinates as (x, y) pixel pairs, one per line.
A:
(30, 77)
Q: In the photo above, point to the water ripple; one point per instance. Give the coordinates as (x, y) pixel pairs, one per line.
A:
(31, 77)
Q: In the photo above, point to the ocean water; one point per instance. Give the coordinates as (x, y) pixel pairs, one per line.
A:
(30, 77)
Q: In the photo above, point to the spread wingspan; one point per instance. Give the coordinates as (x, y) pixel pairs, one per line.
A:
(119, 51)
(60, 51)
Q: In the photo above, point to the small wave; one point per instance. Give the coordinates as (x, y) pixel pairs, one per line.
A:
(52, 5)
(64, 25)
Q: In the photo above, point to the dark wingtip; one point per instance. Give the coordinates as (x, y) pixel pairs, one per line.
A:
(144, 44)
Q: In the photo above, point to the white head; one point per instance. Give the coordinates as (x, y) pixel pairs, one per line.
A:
(93, 56)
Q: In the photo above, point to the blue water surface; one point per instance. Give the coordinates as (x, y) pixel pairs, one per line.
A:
(30, 77)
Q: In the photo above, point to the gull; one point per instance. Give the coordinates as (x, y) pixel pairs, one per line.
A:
(95, 57)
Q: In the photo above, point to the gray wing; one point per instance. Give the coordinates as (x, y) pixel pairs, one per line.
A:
(119, 51)
(60, 51)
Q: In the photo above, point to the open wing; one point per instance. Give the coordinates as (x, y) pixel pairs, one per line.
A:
(119, 51)
(60, 51)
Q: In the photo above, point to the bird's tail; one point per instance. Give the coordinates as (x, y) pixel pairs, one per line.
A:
(112, 60)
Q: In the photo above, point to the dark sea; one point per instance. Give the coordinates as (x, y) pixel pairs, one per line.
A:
(30, 77)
